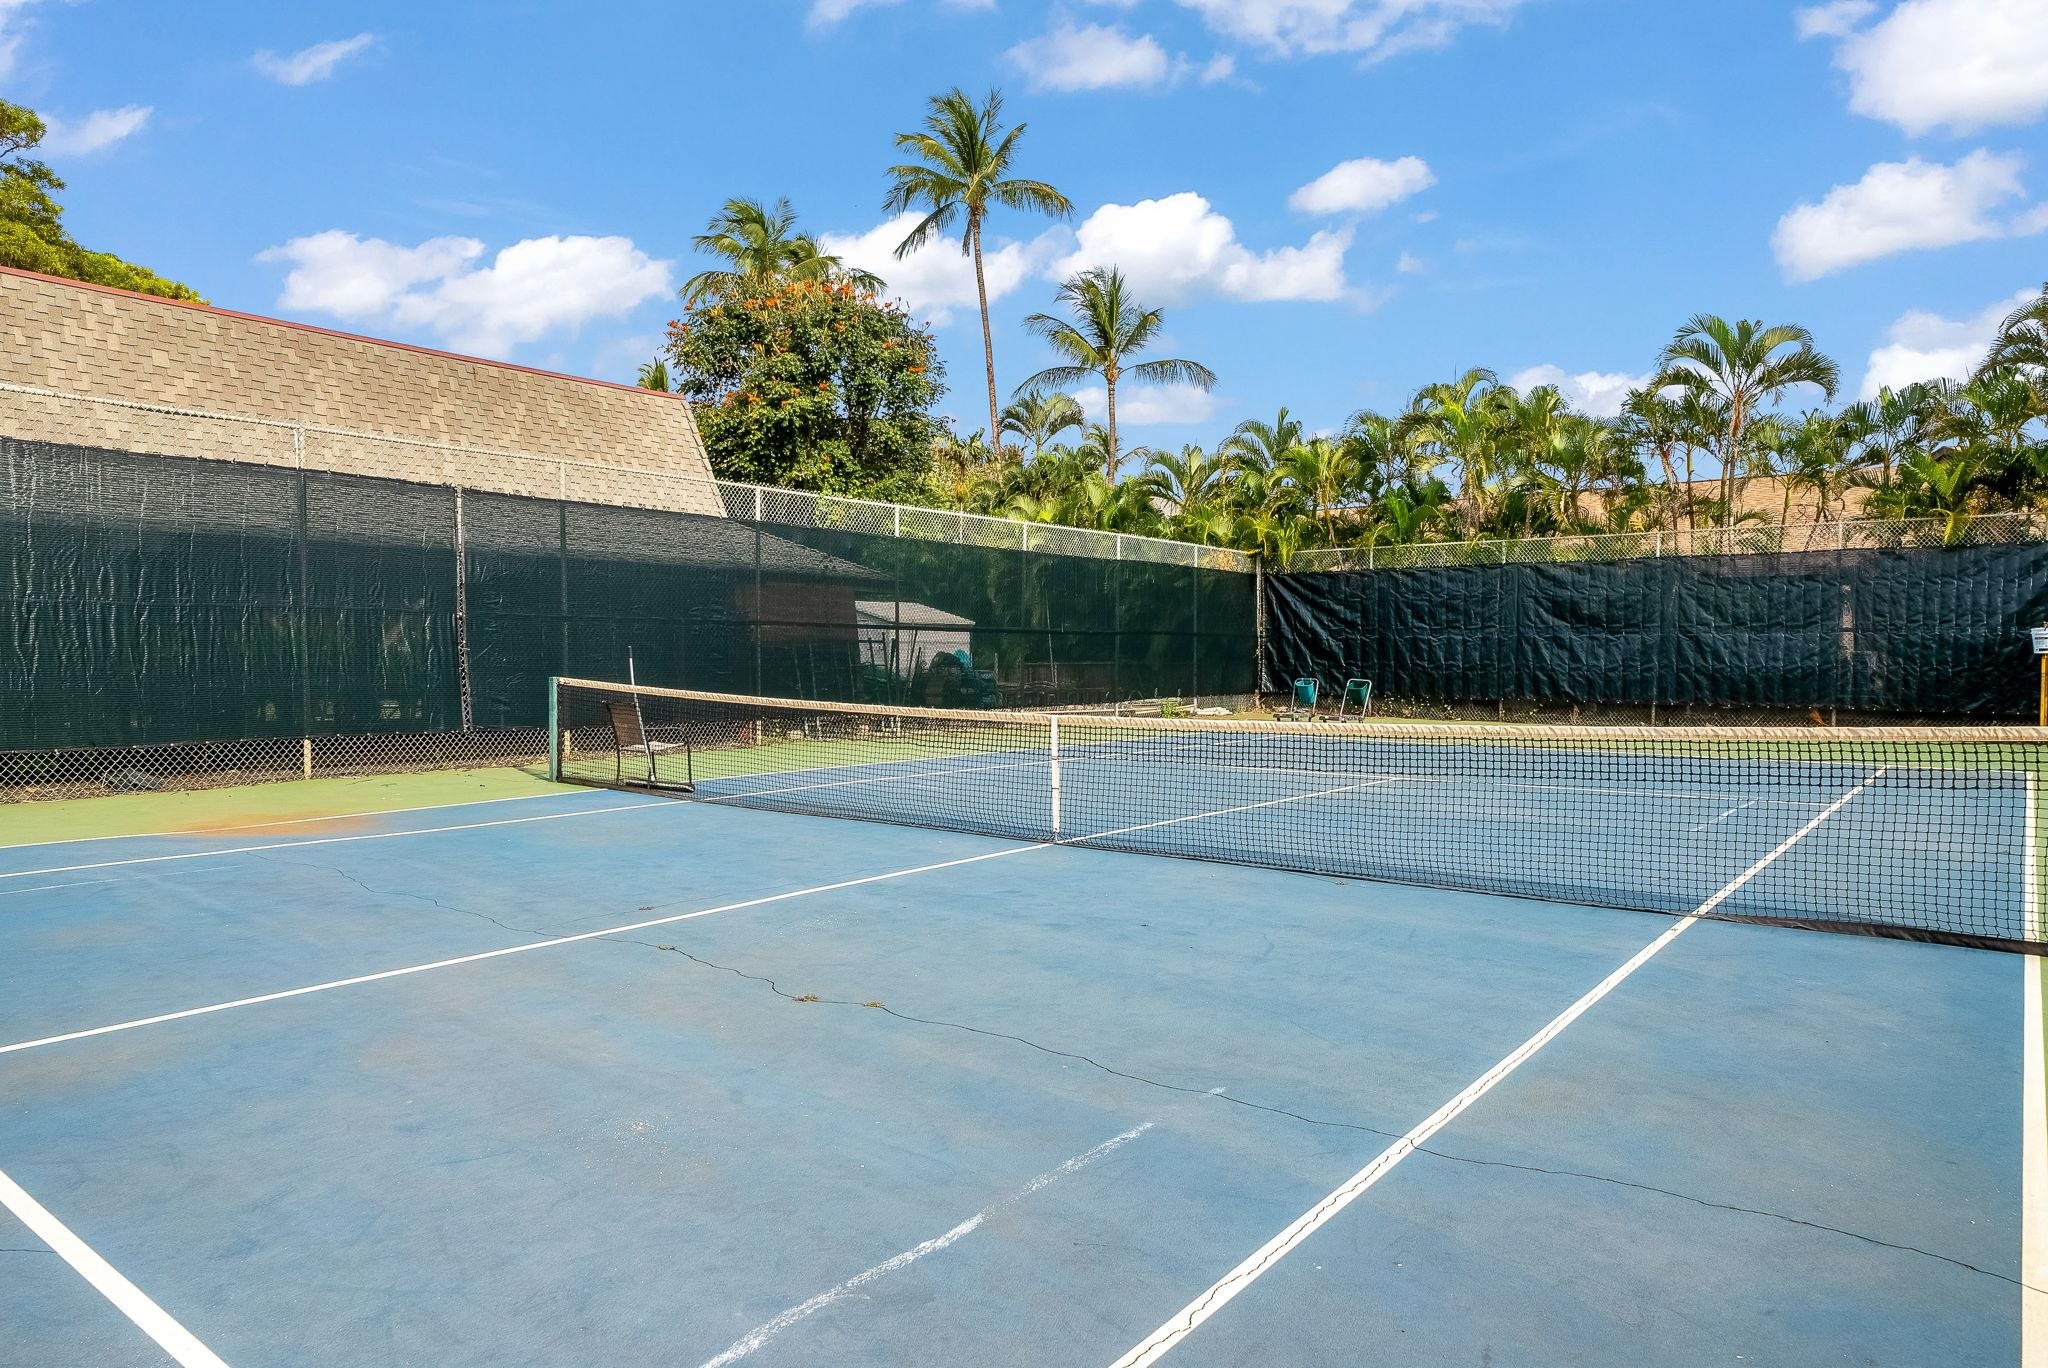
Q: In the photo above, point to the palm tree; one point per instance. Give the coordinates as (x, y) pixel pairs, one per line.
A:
(1325, 474)
(962, 167)
(1986, 420)
(1456, 423)
(1649, 420)
(1743, 365)
(1192, 484)
(2022, 341)
(1929, 487)
(654, 376)
(1894, 424)
(1817, 461)
(1261, 444)
(761, 247)
(1108, 328)
(1038, 417)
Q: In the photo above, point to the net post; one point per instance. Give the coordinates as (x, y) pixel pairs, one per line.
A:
(1053, 730)
(554, 729)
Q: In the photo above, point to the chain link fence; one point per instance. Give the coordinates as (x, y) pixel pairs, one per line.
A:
(1746, 539)
(28, 413)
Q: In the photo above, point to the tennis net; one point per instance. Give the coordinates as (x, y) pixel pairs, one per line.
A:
(1921, 832)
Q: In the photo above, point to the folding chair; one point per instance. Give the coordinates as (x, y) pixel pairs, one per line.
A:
(1357, 691)
(629, 734)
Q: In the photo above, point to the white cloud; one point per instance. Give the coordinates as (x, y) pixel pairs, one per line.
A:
(1958, 65)
(1410, 264)
(1091, 57)
(825, 13)
(1596, 392)
(1148, 405)
(1363, 186)
(1926, 346)
(11, 26)
(1373, 29)
(315, 63)
(1178, 247)
(95, 132)
(528, 290)
(1897, 207)
(1833, 20)
(1221, 67)
(2035, 220)
(937, 278)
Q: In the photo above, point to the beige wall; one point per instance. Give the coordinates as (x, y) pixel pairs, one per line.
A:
(139, 373)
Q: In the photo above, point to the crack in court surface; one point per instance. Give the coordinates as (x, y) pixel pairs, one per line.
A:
(1223, 1095)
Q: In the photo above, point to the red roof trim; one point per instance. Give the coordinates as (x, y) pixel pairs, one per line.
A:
(328, 332)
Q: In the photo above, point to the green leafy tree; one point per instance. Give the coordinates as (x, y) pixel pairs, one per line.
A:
(654, 376)
(963, 161)
(814, 385)
(1742, 366)
(32, 236)
(1106, 329)
(761, 248)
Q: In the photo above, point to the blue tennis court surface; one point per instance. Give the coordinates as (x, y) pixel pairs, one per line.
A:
(594, 1077)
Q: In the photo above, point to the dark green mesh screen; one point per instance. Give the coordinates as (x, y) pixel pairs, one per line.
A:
(160, 599)
(1907, 632)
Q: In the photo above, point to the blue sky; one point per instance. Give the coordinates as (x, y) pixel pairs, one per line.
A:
(1335, 201)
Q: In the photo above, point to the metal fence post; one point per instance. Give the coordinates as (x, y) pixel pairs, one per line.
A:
(462, 613)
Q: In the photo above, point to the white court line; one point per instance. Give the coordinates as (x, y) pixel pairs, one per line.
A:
(289, 821)
(337, 840)
(1726, 815)
(181, 1344)
(1220, 812)
(2034, 1112)
(901, 776)
(1184, 1322)
(45, 888)
(768, 1330)
(525, 947)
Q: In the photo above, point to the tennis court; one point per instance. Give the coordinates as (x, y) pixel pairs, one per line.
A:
(595, 1075)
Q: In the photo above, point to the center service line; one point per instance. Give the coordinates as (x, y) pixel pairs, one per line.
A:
(1184, 1322)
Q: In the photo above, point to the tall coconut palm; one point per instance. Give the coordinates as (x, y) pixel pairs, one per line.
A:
(962, 167)
(761, 246)
(1107, 328)
(1038, 417)
(1744, 365)
(654, 376)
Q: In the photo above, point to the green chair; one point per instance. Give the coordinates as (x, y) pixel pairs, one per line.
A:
(1356, 691)
(1303, 699)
